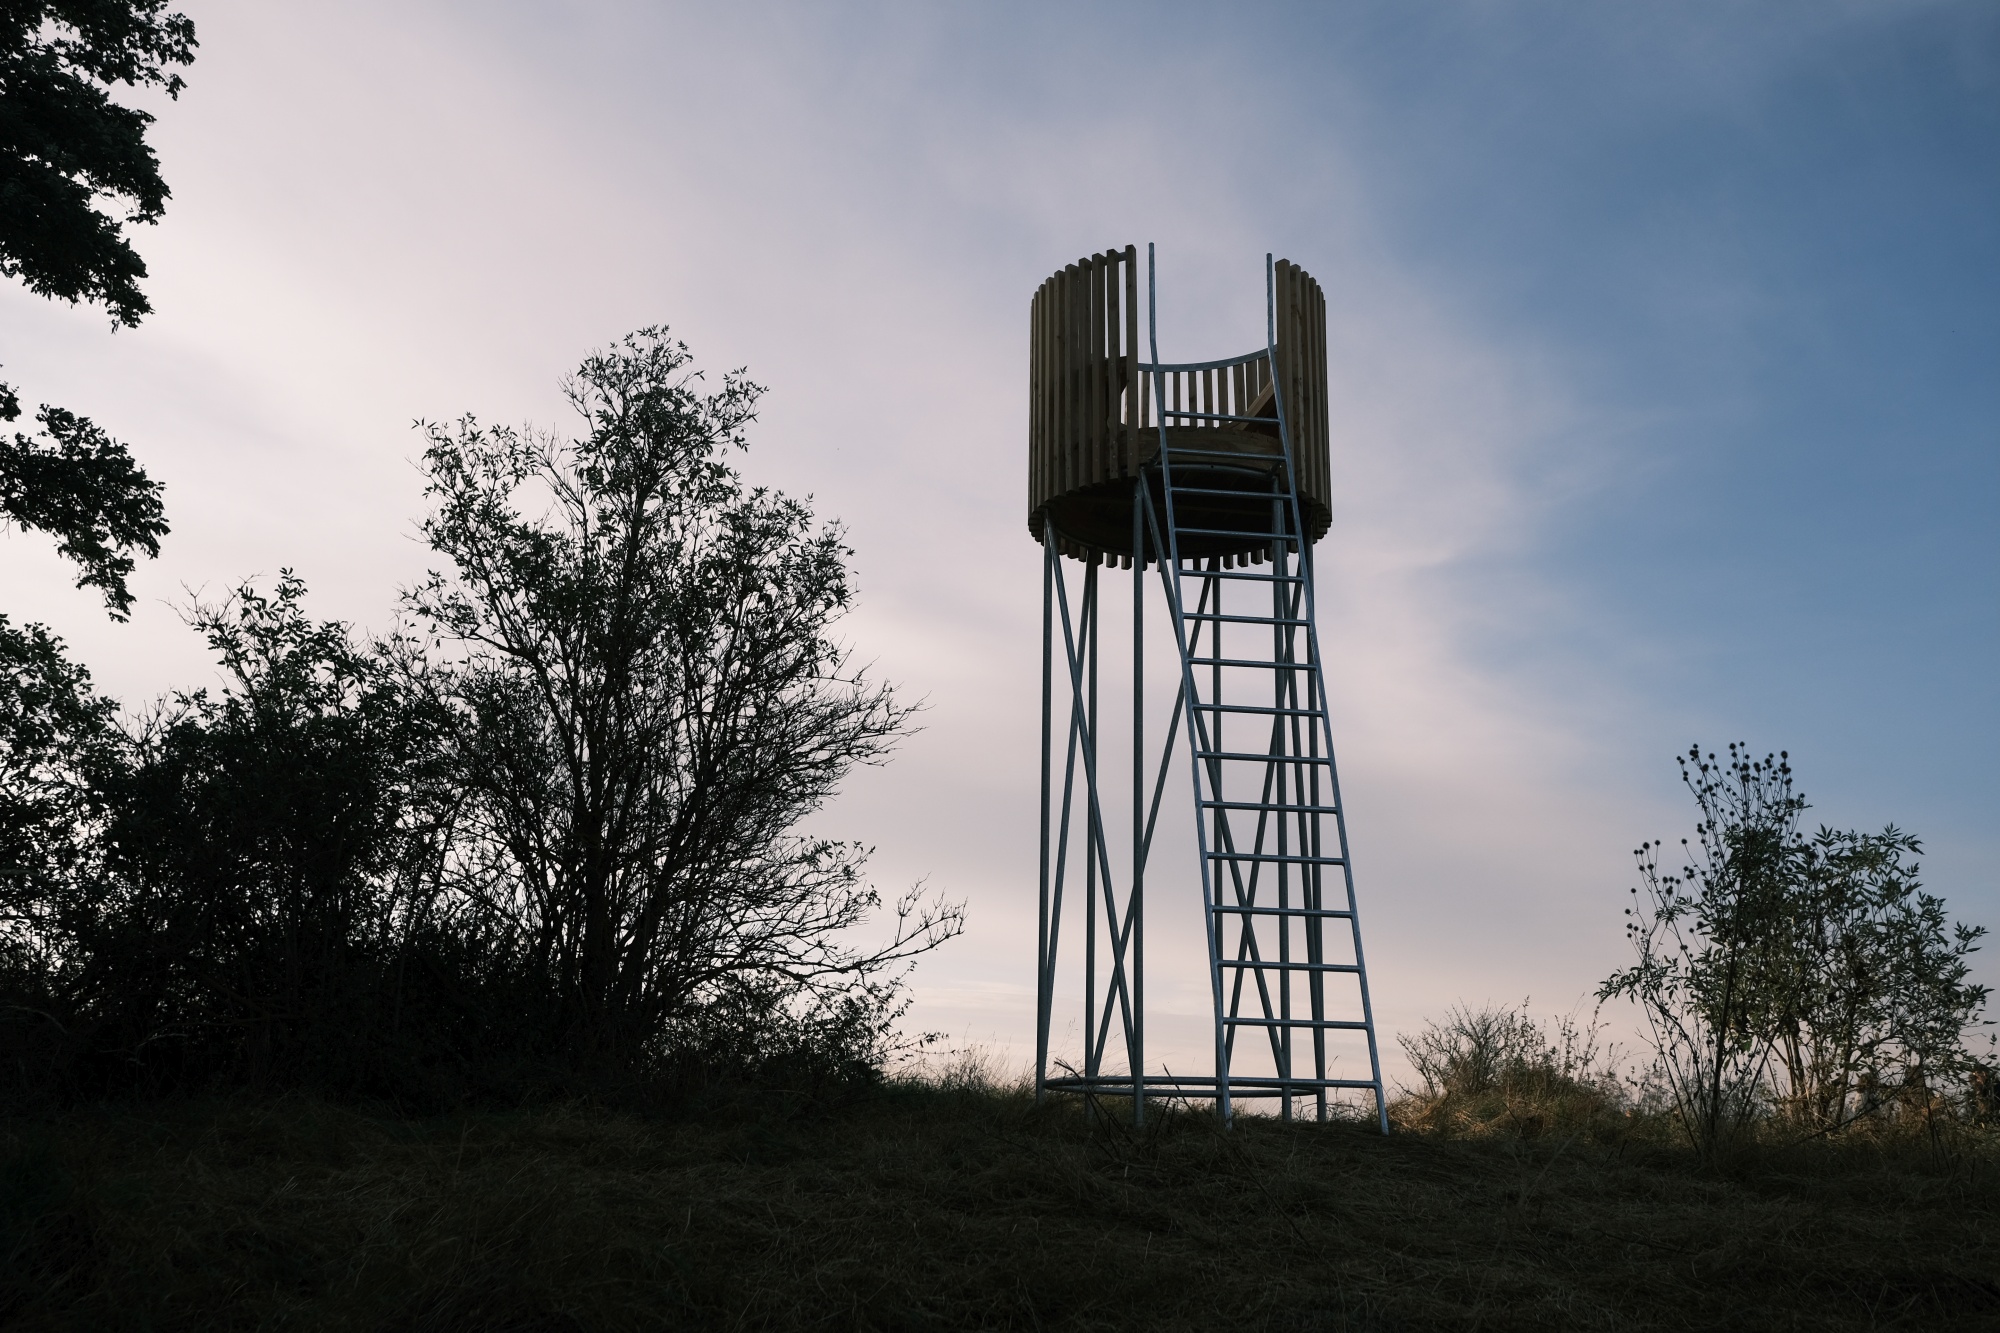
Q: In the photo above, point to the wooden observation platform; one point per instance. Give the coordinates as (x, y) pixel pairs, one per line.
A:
(1092, 431)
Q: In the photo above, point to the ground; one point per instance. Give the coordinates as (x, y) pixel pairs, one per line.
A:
(938, 1208)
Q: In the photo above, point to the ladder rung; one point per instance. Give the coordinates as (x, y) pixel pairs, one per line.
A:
(1233, 455)
(1345, 1025)
(1249, 755)
(1239, 574)
(1286, 911)
(1242, 620)
(1267, 805)
(1262, 963)
(1232, 532)
(1277, 856)
(1266, 709)
(1250, 662)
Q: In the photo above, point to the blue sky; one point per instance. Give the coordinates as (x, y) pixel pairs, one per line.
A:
(1666, 364)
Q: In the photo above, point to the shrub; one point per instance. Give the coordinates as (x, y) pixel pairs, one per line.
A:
(1501, 1071)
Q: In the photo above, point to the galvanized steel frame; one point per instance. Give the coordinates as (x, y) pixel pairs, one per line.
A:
(1307, 775)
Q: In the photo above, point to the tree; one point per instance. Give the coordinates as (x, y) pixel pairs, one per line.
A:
(1880, 1002)
(56, 735)
(647, 700)
(65, 145)
(1712, 942)
(1802, 974)
(65, 149)
(262, 848)
(82, 487)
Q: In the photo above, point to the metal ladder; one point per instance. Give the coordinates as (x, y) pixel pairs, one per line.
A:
(1284, 940)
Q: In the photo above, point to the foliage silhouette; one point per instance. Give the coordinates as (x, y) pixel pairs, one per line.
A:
(645, 699)
(65, 145)
(1807, 975)
(542, 838)
(82, 487)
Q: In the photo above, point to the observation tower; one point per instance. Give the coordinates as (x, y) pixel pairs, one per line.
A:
(1211, 480)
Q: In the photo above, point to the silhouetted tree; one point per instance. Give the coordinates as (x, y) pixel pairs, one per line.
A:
(259, 844)
(66, 148)
(57, 736)
(647, 700)
(1781, 971)
(67, 151)
(82, 487)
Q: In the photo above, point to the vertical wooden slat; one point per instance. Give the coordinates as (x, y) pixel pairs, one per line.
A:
(1134, 397)
(1316, 374)
(1086, 354)
(1034, 402)
(1325, 403)
(1055, 332)
(1093, 329)
(1114, 319)
(1068, 356)
(1324, 421)
(1051, 388)
(1093, 386)
(1048, 391)
(1103, 347)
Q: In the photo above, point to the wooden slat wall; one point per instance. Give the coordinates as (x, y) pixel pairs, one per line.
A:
(1301, 372)
(1084, 385)
(1090, 407)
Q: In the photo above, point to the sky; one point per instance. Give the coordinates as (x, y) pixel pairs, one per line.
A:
(1665, 382)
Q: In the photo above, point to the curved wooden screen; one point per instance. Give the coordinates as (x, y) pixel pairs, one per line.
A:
(1091, 426)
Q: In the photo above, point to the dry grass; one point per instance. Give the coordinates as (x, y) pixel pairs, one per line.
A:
(960, 1207)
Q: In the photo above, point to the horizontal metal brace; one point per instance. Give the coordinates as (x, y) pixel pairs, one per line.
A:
(1260, 964)
(1321, 912)
(1277, 857)
(1345, 1025)
(1267, 805)
(1174, 1085)
(1277, 1086)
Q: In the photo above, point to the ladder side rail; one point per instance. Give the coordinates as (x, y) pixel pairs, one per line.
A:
(1325, 721)
(1305, 740)
(1169, 583)
(1288, 775)
(1170, 578)
(1093, 840)
(1135, 908)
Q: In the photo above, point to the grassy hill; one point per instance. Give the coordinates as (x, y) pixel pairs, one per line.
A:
(953, 1208)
